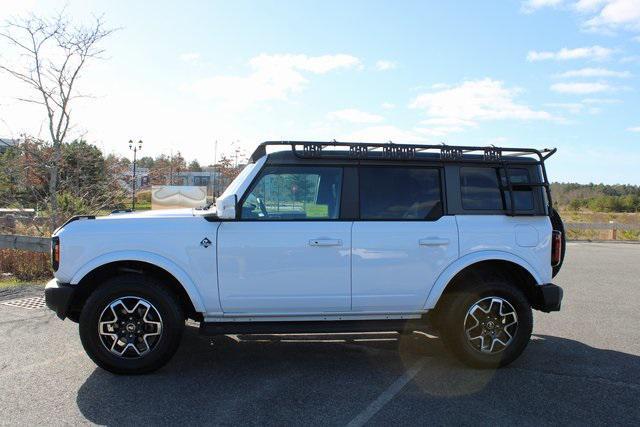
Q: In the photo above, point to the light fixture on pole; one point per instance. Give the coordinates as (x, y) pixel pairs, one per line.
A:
(135, 147)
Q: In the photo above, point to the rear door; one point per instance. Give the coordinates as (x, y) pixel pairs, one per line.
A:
(289, 252)
(402, 241)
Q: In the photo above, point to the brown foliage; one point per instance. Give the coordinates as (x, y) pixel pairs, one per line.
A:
(25, 265)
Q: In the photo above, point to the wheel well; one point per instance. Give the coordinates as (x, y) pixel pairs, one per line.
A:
(506, 269)
(97, 277)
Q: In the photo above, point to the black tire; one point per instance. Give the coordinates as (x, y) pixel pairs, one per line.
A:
(150, 290)
(453, 312)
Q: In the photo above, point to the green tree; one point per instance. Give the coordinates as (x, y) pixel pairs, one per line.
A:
(82, 166)
(146, 162)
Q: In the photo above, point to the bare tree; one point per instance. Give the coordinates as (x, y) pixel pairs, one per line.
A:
(52, 53)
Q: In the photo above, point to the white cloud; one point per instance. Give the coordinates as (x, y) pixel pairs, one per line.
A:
(634, 129)
(589, 5)
(440, 126)
(385, 133)
(533, 5)
(571, 107)
(189, 56)
(594, 72)
(597, 53)
(581, 88)
(599, 15)
(388, 105)
(460, 107)
(384, 65)
(353, 115)
(273, 77)
(612, 14)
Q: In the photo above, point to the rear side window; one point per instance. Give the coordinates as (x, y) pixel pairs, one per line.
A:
(480, 189)
(397, 193)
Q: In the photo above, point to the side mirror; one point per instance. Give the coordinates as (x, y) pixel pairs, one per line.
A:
(227, 207)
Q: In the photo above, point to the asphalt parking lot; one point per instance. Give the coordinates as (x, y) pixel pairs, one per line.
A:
(581, 367)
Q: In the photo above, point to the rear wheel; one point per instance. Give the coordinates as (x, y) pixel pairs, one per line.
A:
(486, 323)
(131, 325)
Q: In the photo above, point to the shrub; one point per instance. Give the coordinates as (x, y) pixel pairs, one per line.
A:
(25, 265)
(143, 196)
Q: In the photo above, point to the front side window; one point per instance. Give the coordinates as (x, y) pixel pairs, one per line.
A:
(397, 193)
(295, 193)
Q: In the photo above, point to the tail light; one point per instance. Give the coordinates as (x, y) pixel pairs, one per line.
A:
(556, 248)
(55, 253)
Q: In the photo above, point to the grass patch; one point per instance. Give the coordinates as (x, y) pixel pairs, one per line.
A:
(12, 282)
(601, 217)
(9, 282)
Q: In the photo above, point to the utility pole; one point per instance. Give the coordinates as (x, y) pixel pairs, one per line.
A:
(135, 147)
(236, 142)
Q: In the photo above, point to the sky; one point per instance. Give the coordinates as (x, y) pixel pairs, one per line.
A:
(182, 75)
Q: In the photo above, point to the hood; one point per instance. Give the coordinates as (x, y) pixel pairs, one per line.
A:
(158, 213)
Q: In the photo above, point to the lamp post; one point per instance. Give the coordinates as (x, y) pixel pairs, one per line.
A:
(135, 147)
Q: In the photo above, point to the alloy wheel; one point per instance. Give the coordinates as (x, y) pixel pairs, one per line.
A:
(490, 324)
(130, 327)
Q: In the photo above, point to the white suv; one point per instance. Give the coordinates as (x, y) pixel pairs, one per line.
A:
(324, 237)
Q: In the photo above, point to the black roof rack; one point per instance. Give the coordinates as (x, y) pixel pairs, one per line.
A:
(392, 151)
(502, 157)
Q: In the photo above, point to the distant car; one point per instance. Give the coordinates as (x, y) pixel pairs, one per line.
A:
(324, 237)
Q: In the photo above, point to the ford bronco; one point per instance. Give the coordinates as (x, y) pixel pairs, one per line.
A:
(324, 237)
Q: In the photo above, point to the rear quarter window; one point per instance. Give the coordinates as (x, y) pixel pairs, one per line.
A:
(481, 189)
(522, 193)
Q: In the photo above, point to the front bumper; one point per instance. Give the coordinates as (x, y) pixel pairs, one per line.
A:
(58, 297)
(548, 298)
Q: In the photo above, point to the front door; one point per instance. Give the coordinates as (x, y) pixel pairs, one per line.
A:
(288, 252)
(402, 241)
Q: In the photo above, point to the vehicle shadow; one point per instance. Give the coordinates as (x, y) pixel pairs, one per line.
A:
(329, 379)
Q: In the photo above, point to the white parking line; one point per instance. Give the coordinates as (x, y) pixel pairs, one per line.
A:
(387, 395)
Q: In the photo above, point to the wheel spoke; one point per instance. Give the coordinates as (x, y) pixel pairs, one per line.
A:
(490, 324)
(130, 327)
(473, 316)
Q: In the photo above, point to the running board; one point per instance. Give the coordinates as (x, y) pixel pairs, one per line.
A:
(395, 325)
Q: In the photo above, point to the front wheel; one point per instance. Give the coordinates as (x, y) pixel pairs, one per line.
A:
(486, 323)
(131, 325)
